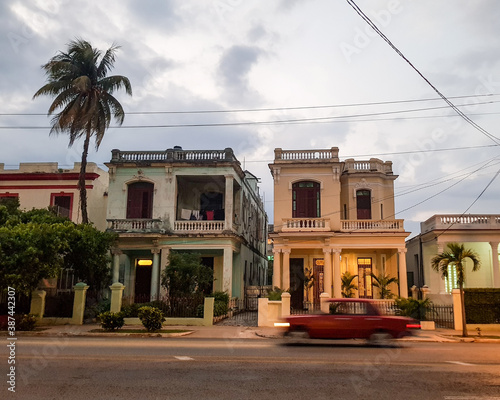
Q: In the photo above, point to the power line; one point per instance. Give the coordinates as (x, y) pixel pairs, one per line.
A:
(247, 123)
(277, 108)
(453, 106)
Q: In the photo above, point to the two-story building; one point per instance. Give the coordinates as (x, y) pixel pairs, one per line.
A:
(332, 217)
(42, 185)
(185, 200)
(480, 233)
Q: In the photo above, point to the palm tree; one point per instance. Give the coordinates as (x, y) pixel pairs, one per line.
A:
(348, 287)
(382, 282)
(455, 257)
(83, 105)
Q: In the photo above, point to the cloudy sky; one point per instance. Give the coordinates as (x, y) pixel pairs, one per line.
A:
(313, 63)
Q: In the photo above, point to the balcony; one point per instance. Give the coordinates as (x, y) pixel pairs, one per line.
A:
(461, 222)
(306, 225)
(198, 226)
(307, 156)
(135, 225)
(172, 155)
(371, 165)
(370, 225)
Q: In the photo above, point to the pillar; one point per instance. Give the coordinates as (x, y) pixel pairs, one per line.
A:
(79, 303)
(328, 273)
(116, 264)
(442, 286)
(325, 305)
(208, 311)
(337, 277)
(227, 271)
(277, 268)
(425, 292)
(228, 204)
(116, 297)
(37, 306)
(286, 268)
(494, 264)
(165, 252)
(155, 274)
(403, 279)
(457, 309)
(285, 304)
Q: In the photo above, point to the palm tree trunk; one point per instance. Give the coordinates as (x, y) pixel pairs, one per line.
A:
(464, 324)
(81, 180)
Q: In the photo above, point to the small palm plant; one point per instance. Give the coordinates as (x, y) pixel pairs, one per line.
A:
(348, 287)
(455, 256)
(383, 282)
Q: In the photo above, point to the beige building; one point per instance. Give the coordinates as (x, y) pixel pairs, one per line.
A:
(480, 233)
(332, 217)
(185, 200)
(40, 185)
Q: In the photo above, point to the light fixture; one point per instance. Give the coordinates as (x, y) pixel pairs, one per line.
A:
(144, 263)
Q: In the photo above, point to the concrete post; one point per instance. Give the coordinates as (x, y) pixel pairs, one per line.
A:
(262, 311)
(116, 297)
(208, 311)
(403, 279)
(116, 265)
(325, 305)
(337, 277)
(227, 271)
(79, 303)
(414, 292)
(286, 268)
(457, 309)
(285, 304)
(155, 274)
(37, 306)
(425, 292)
(277, 268)
(328, 273)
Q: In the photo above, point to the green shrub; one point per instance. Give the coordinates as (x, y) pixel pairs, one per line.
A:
(482, 306)
(152, 318)
(275, 294)
(221, 303)
(413, 308)
(132, 310)
(26, 322)
(200, 311)
(111, 321)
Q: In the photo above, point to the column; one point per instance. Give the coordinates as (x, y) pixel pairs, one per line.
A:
(328, 273)
(337, 277)
(155, 274)
(228, 203)
(403, 280)
(227, 271)
(79, 303)
(494, 264)
(442, 286)
(37, 306)
(286, 268)
(116, 297)
(165, 252)
(277, 268)
(116, 264)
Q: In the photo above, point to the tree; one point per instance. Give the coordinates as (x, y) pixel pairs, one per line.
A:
(382, 282)
(186, 275)
(83, 103)
(455, 256)
(348, 287)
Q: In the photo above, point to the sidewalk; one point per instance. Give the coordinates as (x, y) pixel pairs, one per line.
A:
(246, 332)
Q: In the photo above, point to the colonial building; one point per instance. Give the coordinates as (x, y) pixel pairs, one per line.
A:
(40, 185)
(333, 217)
(480, 233)
(185, 200)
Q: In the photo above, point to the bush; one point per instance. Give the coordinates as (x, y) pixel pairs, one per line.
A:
(111, 321)
(132, 310)
(413, 308)
(200, 311)
(26, 322)
(221, 303)
(482, 306)
(152, 318)
(275, 294)
(97, 309)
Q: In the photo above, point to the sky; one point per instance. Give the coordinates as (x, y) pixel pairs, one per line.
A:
(294, 74)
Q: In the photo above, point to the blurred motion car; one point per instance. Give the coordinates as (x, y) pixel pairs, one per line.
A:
(349, 319)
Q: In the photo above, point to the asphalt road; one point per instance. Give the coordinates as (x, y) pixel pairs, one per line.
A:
(167, 368)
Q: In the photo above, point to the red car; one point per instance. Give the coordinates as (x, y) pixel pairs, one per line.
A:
(350, 319)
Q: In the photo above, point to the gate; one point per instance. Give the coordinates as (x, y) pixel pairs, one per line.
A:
(442, 315)
(242, 312)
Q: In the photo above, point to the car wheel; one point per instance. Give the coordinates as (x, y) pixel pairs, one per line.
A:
(380, 339)
(297, 335)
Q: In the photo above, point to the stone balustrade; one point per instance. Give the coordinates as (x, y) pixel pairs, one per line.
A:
(307, 155)
(198, 226)
(134, 225)
(394, 225)
(172, 155)
(470, 221)
(305, 224)
(373, 165)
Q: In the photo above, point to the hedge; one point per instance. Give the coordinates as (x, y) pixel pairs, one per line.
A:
(482, 306)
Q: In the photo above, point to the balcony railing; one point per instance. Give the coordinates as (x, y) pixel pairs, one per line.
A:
(198, 226)
(324, 155)
(306, 225)
(371, 165)
(363, 225)
(461, 222)
(135, 225)
(172, 155)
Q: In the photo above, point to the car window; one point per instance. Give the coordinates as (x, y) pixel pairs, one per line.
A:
(350, 308)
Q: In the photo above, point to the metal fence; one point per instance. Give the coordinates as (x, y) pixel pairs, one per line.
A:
(442, 315)
(307, 308)
(241, 312)
(172, 307)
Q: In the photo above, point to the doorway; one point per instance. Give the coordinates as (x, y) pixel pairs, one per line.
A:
(296, 283)
(365, 287)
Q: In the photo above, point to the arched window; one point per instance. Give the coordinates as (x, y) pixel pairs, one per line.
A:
(364, 204)
(306, 200)
(140, 200)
